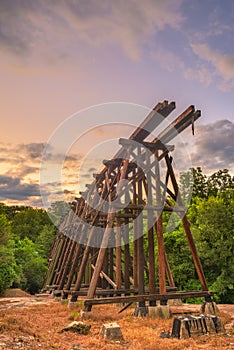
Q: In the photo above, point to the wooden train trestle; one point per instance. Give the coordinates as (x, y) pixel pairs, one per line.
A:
(120, 255)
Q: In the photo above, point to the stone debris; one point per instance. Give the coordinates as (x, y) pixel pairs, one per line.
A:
(77, 327)
(111, 331)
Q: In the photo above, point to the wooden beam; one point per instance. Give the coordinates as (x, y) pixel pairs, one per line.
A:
(143, 298)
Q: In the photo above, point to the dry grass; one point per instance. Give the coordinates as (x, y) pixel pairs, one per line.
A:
(37, 327)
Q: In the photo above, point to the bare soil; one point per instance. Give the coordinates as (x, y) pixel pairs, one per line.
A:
(34, 323)
(16, 293)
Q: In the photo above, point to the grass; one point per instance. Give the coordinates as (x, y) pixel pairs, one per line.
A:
(39, 326)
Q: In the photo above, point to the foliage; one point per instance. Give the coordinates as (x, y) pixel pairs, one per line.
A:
(26, 237)
(32, 266)
(214, 233)
(7, 261)
(202, 186)
(7, 268)
(29, 222)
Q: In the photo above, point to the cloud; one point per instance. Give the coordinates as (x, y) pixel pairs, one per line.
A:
(214, 146)
(13, 188)
(223, 64)
(32, 151)
(26, 26)
(20, 169)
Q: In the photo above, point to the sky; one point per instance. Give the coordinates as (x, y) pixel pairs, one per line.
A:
(61, 57)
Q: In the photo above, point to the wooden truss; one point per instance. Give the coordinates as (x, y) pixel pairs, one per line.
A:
(125, 259)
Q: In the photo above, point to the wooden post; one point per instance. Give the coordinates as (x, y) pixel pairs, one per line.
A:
(101, 256)
(159, 231)
(127, 258)
(152, 277)
(186, 225)
(118, 255)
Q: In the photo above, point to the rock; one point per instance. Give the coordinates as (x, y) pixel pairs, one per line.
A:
(77, 327)
(111, 331)
(165, 335)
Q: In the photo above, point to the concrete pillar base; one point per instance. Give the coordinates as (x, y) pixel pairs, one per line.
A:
(160, 311)
(209, 308)
(72, 304)
(86, 315)
(141, 311)
(111, 331)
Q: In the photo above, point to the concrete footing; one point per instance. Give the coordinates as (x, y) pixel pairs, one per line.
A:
(209, 308)
(189, 326)
(111, 331)
(141, 311)
(86, 315)
(160, 311)
(72, 304)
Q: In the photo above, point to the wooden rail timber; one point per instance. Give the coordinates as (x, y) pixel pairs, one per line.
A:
(88, 303)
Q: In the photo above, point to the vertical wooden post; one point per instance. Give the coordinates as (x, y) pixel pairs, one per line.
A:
(135, 249)
(127, 258)
(140, 240)
(168, 272)
(159, 231)
(186, 225)
(118, 254)
(60, 260)
(101, 256)
(54, 259)
(152, 277)
(76, 258)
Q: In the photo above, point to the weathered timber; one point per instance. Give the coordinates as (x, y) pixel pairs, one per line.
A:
(148, 297)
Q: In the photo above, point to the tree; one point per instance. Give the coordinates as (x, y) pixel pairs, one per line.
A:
(7, 261)
(220, 182)
(32, 267)
(193, 182)
(180, 260)
(214, 233)
(45, 241)
(29, 223)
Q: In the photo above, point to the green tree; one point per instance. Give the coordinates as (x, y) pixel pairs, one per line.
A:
(193, 182)
(45, 241)
(220, 182)
(31, 265)
(7, 261)
(214, 233)
(29, 223)
(180, 260)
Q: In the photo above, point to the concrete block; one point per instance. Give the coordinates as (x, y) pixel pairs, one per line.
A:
(111, 331)
(141, 311)
(160, 311)
(209, 308)
(189, 326)
(85, 315)
(72, 305)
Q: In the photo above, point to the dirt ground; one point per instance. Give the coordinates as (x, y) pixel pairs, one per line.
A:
(34, 322)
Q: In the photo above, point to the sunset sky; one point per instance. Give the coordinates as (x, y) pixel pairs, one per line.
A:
(60, 57)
